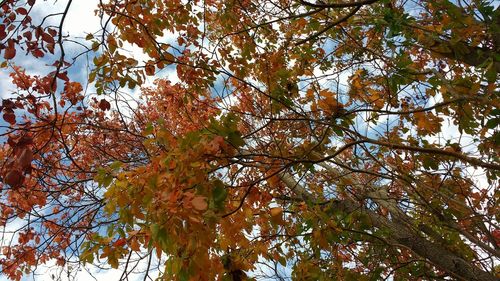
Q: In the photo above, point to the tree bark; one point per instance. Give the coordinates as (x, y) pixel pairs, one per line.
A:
(403, 235)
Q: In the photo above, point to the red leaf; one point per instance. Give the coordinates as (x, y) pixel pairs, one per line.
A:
(37, 53)
(104, 105)
(120, 242)
(8, 104)
(21, 11)
(63, 76)
(10, 52)
(26, 20)
(31, 2)
(496, 235)
(38, 32)
(51, 47)
(150, 69)
(10, 117)
(52, 32)
(13, 178)
(28, 35)
(3, 34)
(12, 141)
(12, 16)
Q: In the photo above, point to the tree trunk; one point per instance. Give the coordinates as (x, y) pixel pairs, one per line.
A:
(437, 255)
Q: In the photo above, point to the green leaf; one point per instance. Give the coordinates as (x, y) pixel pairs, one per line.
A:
(429, 163)
(219, 194)
(87, 257)
(107, 180)
(376, 274)
(154, 228)
(183, 275)
(115, 166)
(493, 123)
(235, 139)
(149, 129)
(491, 74)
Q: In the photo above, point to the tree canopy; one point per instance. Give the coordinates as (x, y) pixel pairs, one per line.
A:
(311, 140)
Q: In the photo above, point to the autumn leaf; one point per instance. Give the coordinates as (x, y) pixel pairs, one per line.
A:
(104, 105)
(13, 178)
(48, 38)
(134, 245)
(10, 118)
(120, 242)
(9, 53)
(276, 211)
(150, 69)
(299, 134)
(21, 11)
(63, 76)
(199, 203)
(25, 158)
(37, 53)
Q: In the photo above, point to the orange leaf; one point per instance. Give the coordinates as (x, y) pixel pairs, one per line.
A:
(134, 245)
(277, 211)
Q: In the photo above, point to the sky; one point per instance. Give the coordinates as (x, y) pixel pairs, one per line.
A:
(80, 21)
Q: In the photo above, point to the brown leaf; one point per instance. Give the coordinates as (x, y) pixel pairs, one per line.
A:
(104, 105)
(13, 178)
(48, 38)
(199, 203)
(134, 245)
(25, 158)
(24, 140)
(150, 70)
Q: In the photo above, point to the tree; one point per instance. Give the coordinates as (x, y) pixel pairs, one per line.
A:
(327, 140)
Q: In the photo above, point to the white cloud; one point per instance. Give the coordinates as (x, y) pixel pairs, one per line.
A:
(80, 18)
